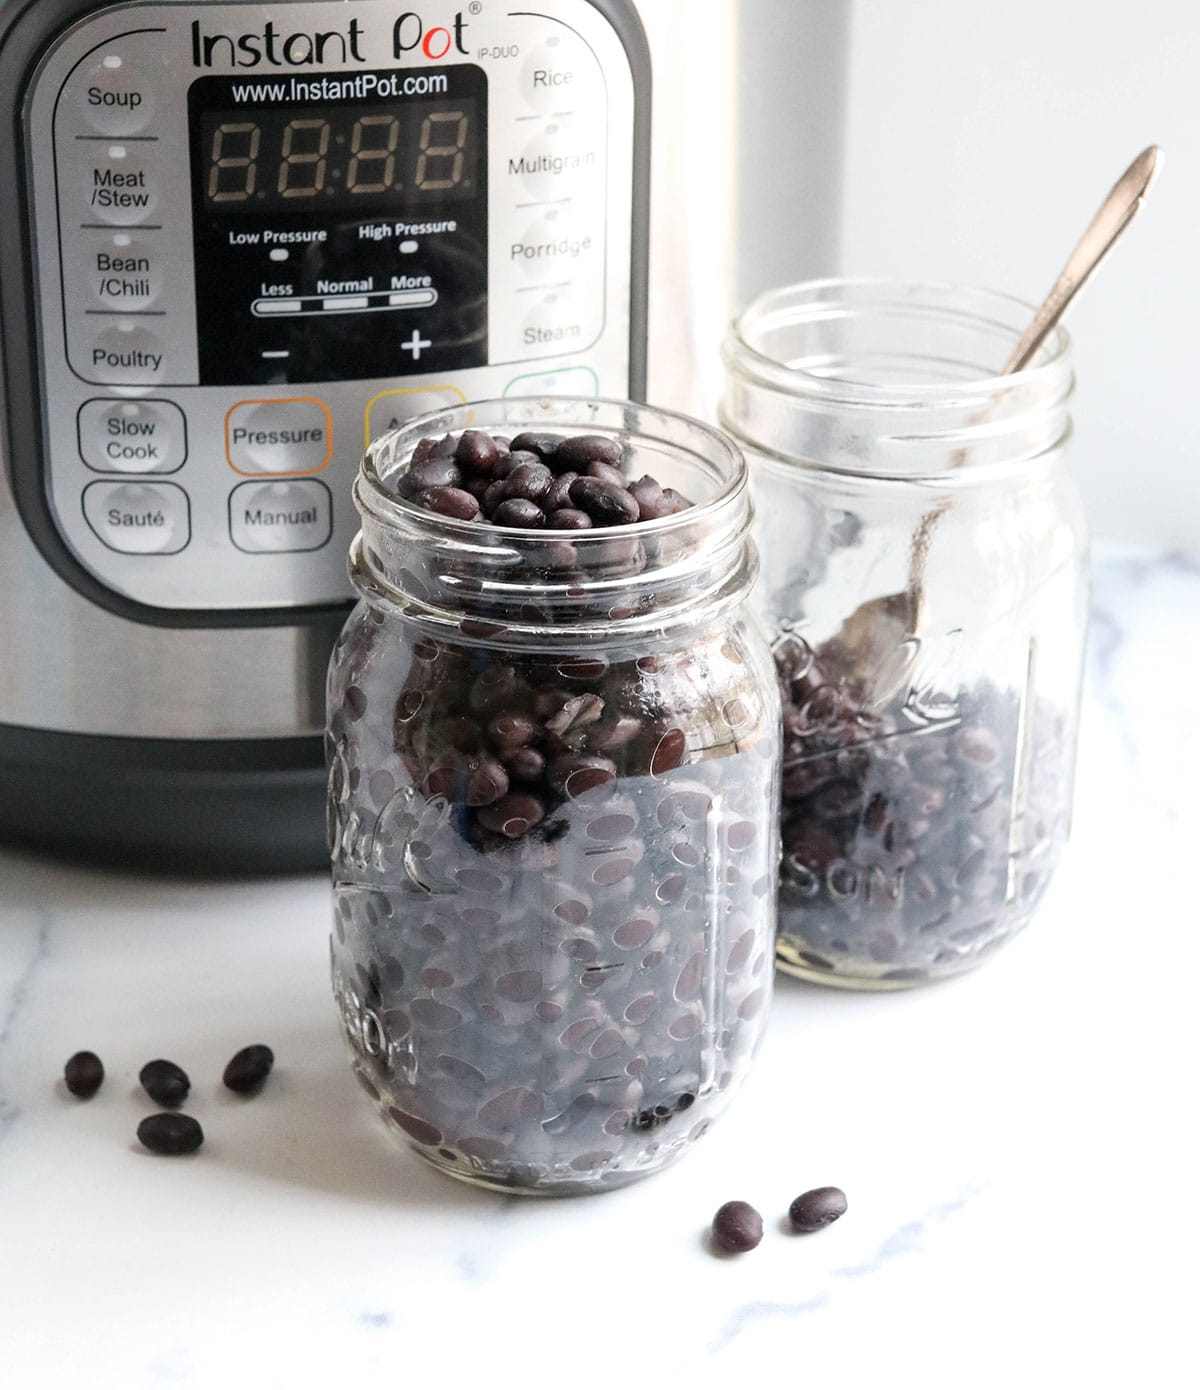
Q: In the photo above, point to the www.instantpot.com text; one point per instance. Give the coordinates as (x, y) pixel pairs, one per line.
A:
(360, 87)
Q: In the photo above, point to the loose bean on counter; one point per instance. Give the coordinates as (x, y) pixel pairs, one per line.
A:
(171, 1134)
(83, 1075)
(736, 1228)
(165, 1083)
(816, 1209)
(248, 1069)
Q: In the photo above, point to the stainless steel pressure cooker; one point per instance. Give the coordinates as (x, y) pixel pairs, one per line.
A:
(240, 239)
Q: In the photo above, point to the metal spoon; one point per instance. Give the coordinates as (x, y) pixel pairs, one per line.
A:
(892, 625)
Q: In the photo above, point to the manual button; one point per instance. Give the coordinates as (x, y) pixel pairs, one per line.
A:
(279, 436)
(139, 518)
(277, 518)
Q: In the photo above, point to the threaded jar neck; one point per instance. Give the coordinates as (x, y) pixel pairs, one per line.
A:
(546, 588)
(895, 380)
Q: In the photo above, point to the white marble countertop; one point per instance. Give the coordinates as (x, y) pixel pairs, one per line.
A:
(1017, 1146)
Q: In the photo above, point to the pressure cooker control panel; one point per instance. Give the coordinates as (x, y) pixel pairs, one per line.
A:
(266, 233)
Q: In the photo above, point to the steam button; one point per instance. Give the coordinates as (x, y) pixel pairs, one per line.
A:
(139, 518)
(116, 96)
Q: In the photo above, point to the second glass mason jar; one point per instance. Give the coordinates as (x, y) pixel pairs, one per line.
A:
(924, 587)
(554, 764)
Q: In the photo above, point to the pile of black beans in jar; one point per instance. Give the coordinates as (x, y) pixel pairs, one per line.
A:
(560, 954)
(900, 858)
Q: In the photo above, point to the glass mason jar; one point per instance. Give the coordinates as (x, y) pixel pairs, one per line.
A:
(924, 588)
(554, 762)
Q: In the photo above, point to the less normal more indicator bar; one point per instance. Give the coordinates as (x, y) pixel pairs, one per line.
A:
(377, 302)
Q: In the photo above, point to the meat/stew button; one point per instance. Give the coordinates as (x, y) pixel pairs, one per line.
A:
(279, 437)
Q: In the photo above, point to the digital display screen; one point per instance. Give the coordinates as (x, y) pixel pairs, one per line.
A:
(348, 158)
(340, 226)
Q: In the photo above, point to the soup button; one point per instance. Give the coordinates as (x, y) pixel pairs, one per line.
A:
(139, 518)
(279, 436)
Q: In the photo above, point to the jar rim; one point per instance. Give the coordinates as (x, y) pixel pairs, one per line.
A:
(811, 300)
(386, 506)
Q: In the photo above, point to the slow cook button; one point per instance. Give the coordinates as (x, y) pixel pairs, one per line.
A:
(116, 96)
(139, 518)
(132, 436)
(279, 436)
(275, 518)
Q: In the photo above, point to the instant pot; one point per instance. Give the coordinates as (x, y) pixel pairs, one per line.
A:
(241, 239)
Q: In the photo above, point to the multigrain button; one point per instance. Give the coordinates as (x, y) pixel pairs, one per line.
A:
(124, 273)
(555, 162)
(276, 518)
(116, 96)
(120, 186)
(279, 436)
(132, 436)
(126, 356)
(139, 518)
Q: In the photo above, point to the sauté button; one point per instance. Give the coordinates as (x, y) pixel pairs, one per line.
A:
(116, 97)
(132, 436)
(139, 518)
(276, 518)
(279, 436)
(126, 356)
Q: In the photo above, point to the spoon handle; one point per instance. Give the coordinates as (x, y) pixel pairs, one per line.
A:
(1116, 213)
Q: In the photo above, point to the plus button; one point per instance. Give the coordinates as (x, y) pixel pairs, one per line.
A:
(416, 345)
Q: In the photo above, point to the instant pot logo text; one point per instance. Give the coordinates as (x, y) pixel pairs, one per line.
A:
(272, 47)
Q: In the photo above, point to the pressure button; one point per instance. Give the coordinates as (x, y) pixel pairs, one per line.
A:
(279, 436)
(139, 518)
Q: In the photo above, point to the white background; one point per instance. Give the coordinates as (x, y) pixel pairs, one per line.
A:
(980, 137)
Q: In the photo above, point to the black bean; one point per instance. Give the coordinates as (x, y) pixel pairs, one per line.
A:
(676, 502)
(477, 451)
(487, 782)
(558, 498)
(513, 815)
(493, 495)
(435, 448)
(575, 713)
(164, 1082)
(449, 501)
(248, 1069)
(545, 446)
(170, 1134)
(606, 473)
(83, 1075)
(582, 449)
(648, 494)
(519, 513)
(814, 1210)
(432, 472)
(507, 462)
(530, 481)
(576, 774)
(526, 764)
(736, 1228)
(605, 504)
(568, 519)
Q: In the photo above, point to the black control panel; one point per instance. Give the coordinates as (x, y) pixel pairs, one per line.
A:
(340, 225)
